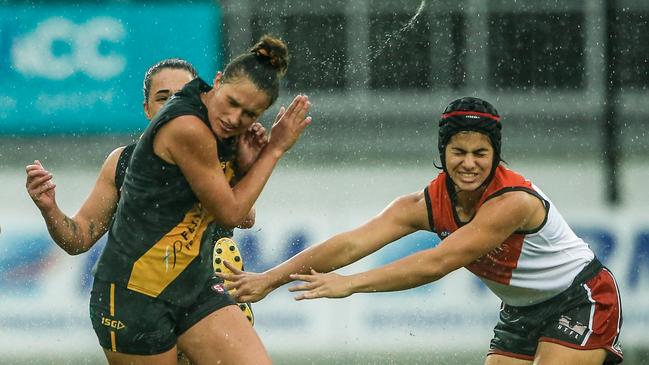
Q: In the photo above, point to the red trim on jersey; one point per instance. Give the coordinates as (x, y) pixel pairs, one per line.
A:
(498, 264)
(479, 114)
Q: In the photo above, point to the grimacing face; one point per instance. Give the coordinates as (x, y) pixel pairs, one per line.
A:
(234, 106)
(469, 159)
(164, 83)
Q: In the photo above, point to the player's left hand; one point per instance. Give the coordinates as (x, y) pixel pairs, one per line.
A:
(321, 285)
(249, 145)
(40, 187)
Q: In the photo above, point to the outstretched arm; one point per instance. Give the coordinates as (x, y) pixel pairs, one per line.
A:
(405, 215)
(496, 220)
(76, 234)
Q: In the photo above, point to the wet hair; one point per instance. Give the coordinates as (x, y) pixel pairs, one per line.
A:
(264, 65)
(169, 63)
(470, 114)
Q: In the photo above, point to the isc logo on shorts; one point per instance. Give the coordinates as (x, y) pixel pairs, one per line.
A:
(112, 323)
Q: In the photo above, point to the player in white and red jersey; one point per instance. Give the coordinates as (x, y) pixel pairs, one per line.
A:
(559, 304)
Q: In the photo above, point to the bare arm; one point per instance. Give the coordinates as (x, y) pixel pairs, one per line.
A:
(76, 234)
(190, 144)
(403, 216)
(249, 219)
(249, 146)
(496, 220)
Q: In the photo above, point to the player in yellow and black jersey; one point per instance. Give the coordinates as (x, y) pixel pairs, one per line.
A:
(78, 233)
(154, 289)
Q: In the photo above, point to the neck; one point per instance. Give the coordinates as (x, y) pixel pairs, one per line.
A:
(468, 199)
(206, 96)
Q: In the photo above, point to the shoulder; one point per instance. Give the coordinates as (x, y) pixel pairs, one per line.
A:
(187, 126)
(113, 158)
(114, 155)
(411, 210)
(412, 199)
(514, 199)
(186, 137)
(517, 207)
(504, 178)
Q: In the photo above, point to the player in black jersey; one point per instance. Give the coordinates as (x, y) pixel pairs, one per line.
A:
(154, 291)
(77, 234)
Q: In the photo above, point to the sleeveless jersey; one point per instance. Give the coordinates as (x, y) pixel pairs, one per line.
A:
(160, 242)
(122, 163)
(528, 267)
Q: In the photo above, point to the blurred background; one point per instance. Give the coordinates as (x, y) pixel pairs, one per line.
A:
(569, 79)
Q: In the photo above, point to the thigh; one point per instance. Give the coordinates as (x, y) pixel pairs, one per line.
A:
(165, 358)
(498, 359)
(554, 354)
(223, 337)
(130, 323)
(517, 333)
(212, 297)
(589, 319)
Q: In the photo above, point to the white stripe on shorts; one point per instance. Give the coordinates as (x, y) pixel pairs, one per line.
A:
(592, 314)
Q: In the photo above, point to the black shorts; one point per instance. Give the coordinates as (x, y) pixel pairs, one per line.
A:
(133, 323)
(586, 316)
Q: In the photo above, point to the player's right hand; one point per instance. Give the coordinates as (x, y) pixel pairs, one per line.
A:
(249, 145)
(40, 186)
(250, 287)
(288, 127)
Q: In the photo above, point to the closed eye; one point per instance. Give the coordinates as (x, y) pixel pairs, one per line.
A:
(162, 95)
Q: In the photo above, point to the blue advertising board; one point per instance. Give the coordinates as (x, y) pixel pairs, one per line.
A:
(78, 69)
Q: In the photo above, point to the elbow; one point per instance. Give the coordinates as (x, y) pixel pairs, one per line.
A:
(249, 220)
(228, 221)
(247, 223)
(74, 251)
(425, 276)
(233, 216)
(226, 224)
(437, 274)
(430, 269)
(443, 268)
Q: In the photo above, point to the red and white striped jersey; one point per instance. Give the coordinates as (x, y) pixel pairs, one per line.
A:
(528, 267)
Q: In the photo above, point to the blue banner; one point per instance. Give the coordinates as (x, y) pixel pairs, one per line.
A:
(78, 69)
